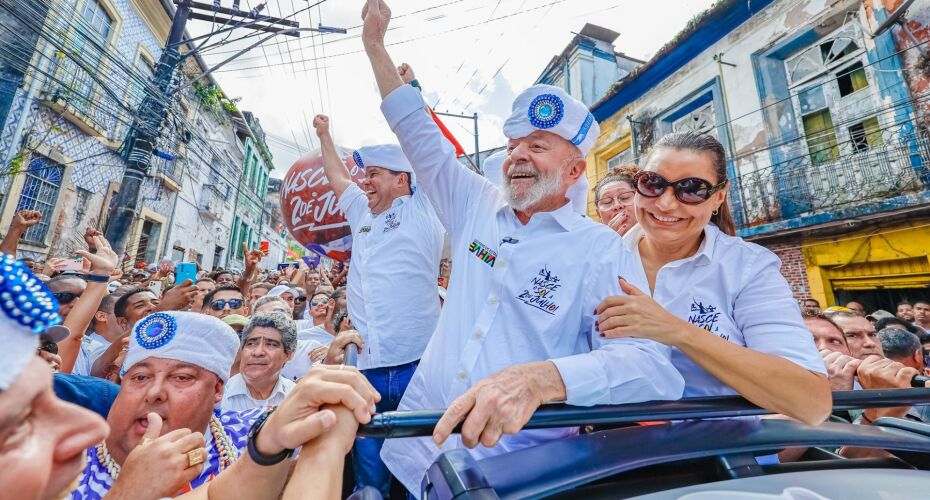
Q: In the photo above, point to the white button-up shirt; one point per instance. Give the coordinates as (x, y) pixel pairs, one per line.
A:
(92, 346)
(733, 289)
(392, 297)
(236, 395)
(518, 293)
(300, 364)
(317, 333)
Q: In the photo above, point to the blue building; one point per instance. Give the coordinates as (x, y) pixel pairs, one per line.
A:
(828, 157)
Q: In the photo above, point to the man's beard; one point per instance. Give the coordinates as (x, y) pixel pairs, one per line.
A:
(546, 185)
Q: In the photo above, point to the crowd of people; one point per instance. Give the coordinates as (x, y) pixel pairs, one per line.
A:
(144, 383)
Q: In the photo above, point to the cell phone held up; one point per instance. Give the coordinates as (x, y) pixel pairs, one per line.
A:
(186, 271)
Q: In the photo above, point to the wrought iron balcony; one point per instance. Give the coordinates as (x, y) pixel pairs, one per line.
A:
(75, 92)
(848, 175)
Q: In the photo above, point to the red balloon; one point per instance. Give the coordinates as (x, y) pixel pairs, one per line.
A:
(308, 205)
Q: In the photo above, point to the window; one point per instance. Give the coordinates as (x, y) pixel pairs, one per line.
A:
(97, 18)
(701, 121)
(138, 83)
(851, 79)
(177, 254)
(88, 49)
(621, 158)
(40, 192)
(866, 135)
(819, 58)
(821, 137)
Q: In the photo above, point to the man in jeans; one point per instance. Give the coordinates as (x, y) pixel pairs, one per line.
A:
(396, 247)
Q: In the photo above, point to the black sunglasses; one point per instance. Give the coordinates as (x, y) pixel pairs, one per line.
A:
(690, 190)
(49, 346)
(218, 305)
(65, 297)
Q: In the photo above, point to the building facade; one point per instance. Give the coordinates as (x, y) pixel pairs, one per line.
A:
(821, 115)
(74, 74)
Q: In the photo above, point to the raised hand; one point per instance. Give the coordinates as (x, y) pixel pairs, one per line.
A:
(105, 260)
(24, 219)
(375, 16)
(406, 73)
(321, 124)
(89, 235)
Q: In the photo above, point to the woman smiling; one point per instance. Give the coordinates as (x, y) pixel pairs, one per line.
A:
(718, 301)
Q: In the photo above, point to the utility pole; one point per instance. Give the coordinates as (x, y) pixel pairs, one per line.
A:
(143, 135)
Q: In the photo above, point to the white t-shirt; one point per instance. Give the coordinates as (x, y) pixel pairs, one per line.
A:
(300, 364)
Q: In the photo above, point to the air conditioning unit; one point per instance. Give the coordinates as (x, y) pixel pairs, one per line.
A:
(210, 203)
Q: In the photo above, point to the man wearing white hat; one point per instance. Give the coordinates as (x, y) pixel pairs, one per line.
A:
(173, 378)
(518, 327)
(391, 291)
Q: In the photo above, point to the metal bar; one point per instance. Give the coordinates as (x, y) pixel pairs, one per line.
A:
(256, 27)
(399, 424)
(467, 117)
(236, 13)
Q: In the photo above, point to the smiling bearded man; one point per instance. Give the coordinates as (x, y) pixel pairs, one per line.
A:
(176, 367)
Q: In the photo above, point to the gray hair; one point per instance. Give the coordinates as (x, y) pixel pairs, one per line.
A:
(898, 344)
(278, 321)
(269, 298)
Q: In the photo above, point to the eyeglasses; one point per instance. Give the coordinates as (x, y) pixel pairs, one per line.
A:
(49, 346)
(690, 190)
(314, 303)
(65, 297)
(218, 305)
(608, 202)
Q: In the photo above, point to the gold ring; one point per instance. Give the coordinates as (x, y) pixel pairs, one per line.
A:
(194, 457)
(145, 440)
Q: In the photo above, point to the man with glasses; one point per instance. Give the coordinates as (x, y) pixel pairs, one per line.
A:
(225, 300)
(66, 288)
(321, 307)
(268, 342)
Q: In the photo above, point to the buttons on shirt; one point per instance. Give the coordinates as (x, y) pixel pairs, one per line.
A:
(462, 375)
(478, 334)
(492, 299)
(501, 263)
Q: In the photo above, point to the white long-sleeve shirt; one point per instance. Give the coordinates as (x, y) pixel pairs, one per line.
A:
(733, 289)
(391, 292)
(518, 293)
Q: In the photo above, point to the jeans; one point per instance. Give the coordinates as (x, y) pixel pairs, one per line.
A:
(390, 382)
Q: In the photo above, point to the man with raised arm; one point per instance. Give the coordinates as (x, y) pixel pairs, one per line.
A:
(517, 330)
(396, 247)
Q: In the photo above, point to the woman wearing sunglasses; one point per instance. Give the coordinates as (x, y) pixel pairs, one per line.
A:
(718, 301)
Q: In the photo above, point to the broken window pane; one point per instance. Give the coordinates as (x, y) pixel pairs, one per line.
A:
(821, 138)
(851, 79)
(866, 135)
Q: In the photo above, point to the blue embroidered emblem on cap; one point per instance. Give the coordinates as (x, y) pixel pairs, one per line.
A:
(583, 131)
(546, 111)
(24, 298)
(156, 330)
(358, 159)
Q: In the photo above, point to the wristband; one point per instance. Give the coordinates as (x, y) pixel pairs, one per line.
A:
(97, 278)
(257, 456)
(414, 83)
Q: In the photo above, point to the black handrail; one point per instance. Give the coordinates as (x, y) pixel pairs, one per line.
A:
(398, 424)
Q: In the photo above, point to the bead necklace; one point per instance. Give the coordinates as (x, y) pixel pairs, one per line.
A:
(221, 442)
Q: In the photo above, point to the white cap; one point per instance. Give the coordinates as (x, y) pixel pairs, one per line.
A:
(27, 309)
(194, 338)
(388, 156)
(493, 167)
(548, 108)
(279, 289)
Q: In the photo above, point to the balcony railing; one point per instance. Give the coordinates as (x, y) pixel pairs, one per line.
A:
(795, 188)
(77, 93)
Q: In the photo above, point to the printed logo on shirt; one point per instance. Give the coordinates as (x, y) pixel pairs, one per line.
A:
(364, 229)
(541, 292)
(391, 222)
(483, 252)
(706, 317)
